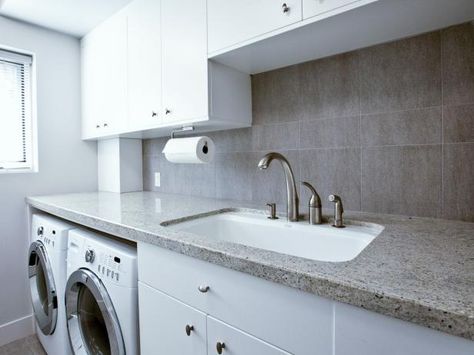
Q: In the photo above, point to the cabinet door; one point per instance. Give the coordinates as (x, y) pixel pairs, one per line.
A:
(358, 331)
(104, 75)
(235, 342)
(165, 324)
(232, 22)
(184, 48)
(317, 7)
(144, 64)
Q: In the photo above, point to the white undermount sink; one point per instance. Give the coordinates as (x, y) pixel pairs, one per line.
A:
(317, 242)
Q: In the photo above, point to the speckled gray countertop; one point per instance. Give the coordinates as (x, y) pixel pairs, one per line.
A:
(418, 269)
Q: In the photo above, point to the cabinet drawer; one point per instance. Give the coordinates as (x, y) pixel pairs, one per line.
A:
(163, 322)
(283, 316)
(235, 342)
(232, 22)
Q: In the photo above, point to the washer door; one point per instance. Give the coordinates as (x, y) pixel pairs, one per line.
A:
(42, 287)
(92, 324)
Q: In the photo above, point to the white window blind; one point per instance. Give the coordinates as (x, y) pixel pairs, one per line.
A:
(15, 111)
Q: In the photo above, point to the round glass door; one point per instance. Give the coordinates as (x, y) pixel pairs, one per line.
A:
(42, 288)
(93, 326)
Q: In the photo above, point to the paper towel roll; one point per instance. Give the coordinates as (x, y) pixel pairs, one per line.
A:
(193, 150)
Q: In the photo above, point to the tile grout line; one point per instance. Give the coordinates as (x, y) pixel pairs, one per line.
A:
(359, 92)
(442, 121)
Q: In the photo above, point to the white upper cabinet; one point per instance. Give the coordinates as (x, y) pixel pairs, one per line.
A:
(255, 36)
(104, 78)
(233, 22)
(185, 71)
(144, 64)
(146, 72)
(317, 7)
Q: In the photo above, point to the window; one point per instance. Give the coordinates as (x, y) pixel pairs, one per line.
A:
(17, 148)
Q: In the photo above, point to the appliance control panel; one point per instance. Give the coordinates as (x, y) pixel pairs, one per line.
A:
(46, 235)
(111, 260)
(107, 265)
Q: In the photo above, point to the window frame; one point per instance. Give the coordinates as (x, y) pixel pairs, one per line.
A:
(31, 131)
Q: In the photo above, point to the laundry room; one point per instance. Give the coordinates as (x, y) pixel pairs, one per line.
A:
(253, 177)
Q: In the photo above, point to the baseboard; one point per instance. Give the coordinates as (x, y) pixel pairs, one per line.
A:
(16, 329)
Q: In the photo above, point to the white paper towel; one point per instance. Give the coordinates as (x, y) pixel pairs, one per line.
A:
(193, 150)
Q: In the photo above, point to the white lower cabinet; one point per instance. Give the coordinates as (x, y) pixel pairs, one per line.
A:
(169, 327)
(295, 321)
(358, 331)
(239, 314)
(225, 339)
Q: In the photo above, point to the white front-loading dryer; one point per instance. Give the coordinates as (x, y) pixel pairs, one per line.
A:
(101, 295)
(47, 279)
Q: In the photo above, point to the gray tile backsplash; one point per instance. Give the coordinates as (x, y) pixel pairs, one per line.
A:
(390, 128)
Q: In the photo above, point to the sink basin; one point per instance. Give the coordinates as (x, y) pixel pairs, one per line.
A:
(319, 242)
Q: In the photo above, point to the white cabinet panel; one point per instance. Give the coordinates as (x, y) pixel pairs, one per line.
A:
(231, 22)
(144, 64)
(104, 78)
(224, 339)
(363, 332)
(317, 7)
(184, 49)
(163, 322)
(283, 316)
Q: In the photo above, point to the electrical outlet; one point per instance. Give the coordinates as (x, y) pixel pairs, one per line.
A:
(157, 179)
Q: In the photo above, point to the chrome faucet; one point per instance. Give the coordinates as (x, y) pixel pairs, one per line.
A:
(291, 192)
(338, 211)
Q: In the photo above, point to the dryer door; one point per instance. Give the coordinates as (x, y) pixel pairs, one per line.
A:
(42, 287)
(92, 323)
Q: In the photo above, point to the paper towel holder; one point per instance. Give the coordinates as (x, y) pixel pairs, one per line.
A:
(181, 130)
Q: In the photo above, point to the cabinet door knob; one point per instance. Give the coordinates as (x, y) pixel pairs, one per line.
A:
(189, 329)
(106, 124)
(219, 347)
(97, 126)
(203, 289)
(153, 113)
(167, 111)
(285, 8)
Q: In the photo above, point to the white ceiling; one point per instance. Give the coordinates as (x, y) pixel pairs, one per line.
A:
(74, 17)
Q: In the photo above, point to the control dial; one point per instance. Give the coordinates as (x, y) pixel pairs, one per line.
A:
(90, 256)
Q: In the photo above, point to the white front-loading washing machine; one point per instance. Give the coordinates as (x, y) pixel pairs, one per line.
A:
(101, 295)
(47, 278)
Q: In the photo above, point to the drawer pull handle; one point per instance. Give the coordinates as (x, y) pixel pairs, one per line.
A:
(285, 8)
(203, 289)
(219, 347)
(189, 329)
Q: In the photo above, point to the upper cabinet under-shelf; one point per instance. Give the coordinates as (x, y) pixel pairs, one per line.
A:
(257, 36)
(146, 72)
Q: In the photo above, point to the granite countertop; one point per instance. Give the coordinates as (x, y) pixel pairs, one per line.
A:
(418, 269)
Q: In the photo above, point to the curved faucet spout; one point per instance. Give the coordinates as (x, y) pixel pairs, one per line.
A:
(292, 194)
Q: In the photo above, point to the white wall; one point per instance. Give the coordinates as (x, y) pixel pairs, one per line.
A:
(66, 164)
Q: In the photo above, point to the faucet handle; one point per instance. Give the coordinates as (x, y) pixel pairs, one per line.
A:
(315, 200)
(338, 211)
(315, 213)
(272, 211)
